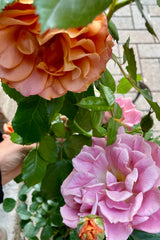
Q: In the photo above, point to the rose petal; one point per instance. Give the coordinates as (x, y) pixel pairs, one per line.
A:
(70, 216)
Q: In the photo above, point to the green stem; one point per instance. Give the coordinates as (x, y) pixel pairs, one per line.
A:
(114, 7)
(111, 10)
(124, 73)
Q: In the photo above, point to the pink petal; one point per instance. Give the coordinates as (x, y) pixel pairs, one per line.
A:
(119, 231)
(147, 179)
(131, 178)
(151, 203)
(152, 225)
(118, 196)
(70, 216)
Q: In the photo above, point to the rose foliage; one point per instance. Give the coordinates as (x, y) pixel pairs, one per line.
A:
(95, 172)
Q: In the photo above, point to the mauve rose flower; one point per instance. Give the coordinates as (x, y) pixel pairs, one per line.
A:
(130, 115)
(52, 63)
(118, 183)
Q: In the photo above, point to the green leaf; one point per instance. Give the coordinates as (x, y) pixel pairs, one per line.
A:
(107, 94)
(46, 233)
(34, 238)
(113, 30)
(94, 103)
(124, 86)
(76, 13)
(9, 204)
(83, 119)
(69, 108)
(96, 118)
(22, 194)
(11, 92)
(54, 106)
(31, 119)
(148, 25)
(33, 207)
(73, 235)
(58, 127)
(158, 3)
(139, 235)
(131, 68)
(55, 175)
(108, 80)
(154, 105)
(117, 111)
(4, 3)
(127, 45)
(112, 131)
(22, 212)
(30, 230)
(48, 149)
(146, 123)
(76, 128)
(87, 93)
(34, 168)
(16, 138)
(99, 132)
(40, 221)
(76, 140)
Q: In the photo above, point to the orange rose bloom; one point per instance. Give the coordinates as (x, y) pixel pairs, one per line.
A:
(52, 63)
(7, 127)
(90, 230)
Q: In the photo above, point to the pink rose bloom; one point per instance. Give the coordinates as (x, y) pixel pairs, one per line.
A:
(130, 116)
(118, 183)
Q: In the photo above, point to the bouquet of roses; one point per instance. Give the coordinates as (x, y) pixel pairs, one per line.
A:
(95, 170)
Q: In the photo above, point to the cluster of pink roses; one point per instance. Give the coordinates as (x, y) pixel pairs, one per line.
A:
(118, 183)
(52, 63)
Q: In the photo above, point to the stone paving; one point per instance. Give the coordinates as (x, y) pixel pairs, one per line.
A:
(147, 51)
(146, 47)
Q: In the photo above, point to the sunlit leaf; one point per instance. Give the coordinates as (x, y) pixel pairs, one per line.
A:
(68, 13)
(124, 86)
(112, 131)
(148, 25)
(113, 30)
(107, 94)
(107, 80)
(131, 68)
(154, 105)
(94, 103)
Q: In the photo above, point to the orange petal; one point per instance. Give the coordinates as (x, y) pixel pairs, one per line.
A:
(53, 90)
(7, 37)
(11, 57)
(19, 73)
(33, 85)
(26, 42)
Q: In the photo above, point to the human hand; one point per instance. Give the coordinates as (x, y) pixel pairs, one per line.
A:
(11, 158)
